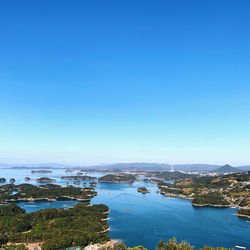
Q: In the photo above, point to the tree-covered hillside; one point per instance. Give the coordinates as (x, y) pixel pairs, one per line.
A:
(54, 228)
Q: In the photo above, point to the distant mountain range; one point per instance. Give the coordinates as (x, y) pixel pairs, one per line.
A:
(39, 166)
(178, 167)
(143, 166)
(227, 169)
(158, 166)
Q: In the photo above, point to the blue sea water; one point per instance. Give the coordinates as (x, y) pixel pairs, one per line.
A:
(139, 219)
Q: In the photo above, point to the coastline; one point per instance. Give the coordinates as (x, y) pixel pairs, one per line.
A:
(116, 182)
(243, 215)
(200, 205)
(99, 246)
(210, 205)
(175, 195)
(46, 199)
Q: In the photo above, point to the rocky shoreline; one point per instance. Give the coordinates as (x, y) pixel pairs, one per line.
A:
(175, 195)
(143, 190)
(209, 205)
(243, 215)
(115, 182)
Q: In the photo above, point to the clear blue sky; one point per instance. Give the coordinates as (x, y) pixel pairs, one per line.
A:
(89, 81)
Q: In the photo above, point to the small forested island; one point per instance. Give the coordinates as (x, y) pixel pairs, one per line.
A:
(79, 178)
(41, 171)
(2, 180)
(123, 178)
(27, 178)
(231, 190)
(45, 180)
(28, 192)
(93, 184)
(143, 190)
(12, 180)
(54, 228)
(68, 171)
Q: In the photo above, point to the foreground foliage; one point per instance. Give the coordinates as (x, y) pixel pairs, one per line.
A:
(80, 225)
(172, 244)
(15, 247)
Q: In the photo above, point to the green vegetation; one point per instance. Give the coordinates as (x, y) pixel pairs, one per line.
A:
(15, 247)
(121, 246)
(11, 210)
(172, 244)
(125, 178)
(210, 199)
(244, 213)
(227, 190)
(2, 180)
(143, 190)
(45, 192)
(45, 180)
(93, 184)
(12, 180)
(170, 175)
(55, 228)
(245, 201)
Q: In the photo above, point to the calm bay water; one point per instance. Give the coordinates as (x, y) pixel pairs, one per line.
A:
(139, 219)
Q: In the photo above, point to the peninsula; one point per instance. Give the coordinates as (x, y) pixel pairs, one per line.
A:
(231, 190)
(244, 213)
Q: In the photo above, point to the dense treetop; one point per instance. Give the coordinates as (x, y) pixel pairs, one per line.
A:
(55, 228)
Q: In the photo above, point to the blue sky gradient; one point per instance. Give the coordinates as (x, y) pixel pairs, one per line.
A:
(90, 82)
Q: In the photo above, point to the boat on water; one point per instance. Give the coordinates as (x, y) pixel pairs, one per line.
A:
(128, 209)
(240, 247)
